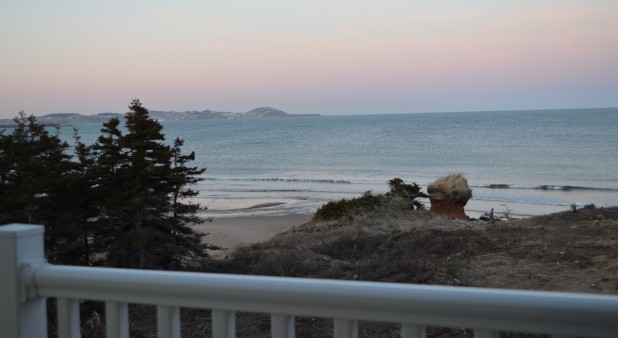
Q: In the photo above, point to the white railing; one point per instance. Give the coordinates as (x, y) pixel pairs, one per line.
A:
(26, 280)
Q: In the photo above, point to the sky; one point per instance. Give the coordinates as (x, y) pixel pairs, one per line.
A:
(323, 57)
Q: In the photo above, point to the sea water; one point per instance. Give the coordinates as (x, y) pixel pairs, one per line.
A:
(522, 162)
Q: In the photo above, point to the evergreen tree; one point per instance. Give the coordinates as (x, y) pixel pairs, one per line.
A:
(84, 199)
(123, 201)
(184, 211)
(140, 184)
(41, 185)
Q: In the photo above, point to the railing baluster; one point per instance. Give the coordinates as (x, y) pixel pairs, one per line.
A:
(485, 334)
(117, 319)
(282, 326)
(345, 328)
(223, 324)
(168, 321)
(68, 318)
(413, 331)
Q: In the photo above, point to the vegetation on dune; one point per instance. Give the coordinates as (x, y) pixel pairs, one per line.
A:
(346, 208)
(567, 251)
(336, 210)
(388, 242)
(407, 192)
(118, 202)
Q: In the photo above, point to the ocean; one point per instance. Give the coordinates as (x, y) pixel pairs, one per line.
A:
(521, 162)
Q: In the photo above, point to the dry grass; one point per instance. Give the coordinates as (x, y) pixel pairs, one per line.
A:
(418, 248)
(453, 188)
(559, 252)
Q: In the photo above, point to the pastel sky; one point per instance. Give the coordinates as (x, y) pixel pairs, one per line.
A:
(326, 57)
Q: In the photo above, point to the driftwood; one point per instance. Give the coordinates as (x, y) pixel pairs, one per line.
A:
(491, 217)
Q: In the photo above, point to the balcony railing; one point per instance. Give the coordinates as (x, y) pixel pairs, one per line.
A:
(26, 280)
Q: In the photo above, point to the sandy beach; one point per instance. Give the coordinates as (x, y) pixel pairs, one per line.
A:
(227, 232)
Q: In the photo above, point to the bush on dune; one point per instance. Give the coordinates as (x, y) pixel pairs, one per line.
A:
(409, 192)
(337, 210)
(346, 208)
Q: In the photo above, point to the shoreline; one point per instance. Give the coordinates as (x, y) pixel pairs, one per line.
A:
(243, 208)
(476, 208)
(248, 198)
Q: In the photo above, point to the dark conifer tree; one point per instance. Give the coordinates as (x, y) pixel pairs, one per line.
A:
(185, 211)
(123, 201)
(143, 222)
(41, 185)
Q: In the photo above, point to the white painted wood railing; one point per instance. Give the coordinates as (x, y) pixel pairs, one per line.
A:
(26, 280)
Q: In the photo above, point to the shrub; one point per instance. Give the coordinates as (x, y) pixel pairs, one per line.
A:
(409, 192)
(336, 210)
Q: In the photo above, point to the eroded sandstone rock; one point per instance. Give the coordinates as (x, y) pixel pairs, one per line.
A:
(449, 195)
(448, 209)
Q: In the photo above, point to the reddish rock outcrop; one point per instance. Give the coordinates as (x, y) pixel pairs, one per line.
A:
(448, 209)
(448, 196)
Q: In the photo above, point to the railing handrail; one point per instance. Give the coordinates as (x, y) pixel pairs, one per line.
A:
(491, 309)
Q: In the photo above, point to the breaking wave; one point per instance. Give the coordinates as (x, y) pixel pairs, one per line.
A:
(544, 187)
(285, 180)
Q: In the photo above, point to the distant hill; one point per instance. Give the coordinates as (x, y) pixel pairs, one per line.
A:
(262, 112)
(71, 118)
(267, 112)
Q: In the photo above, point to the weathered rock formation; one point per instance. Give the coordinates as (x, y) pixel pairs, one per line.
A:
(448, 196)
(448, 209)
